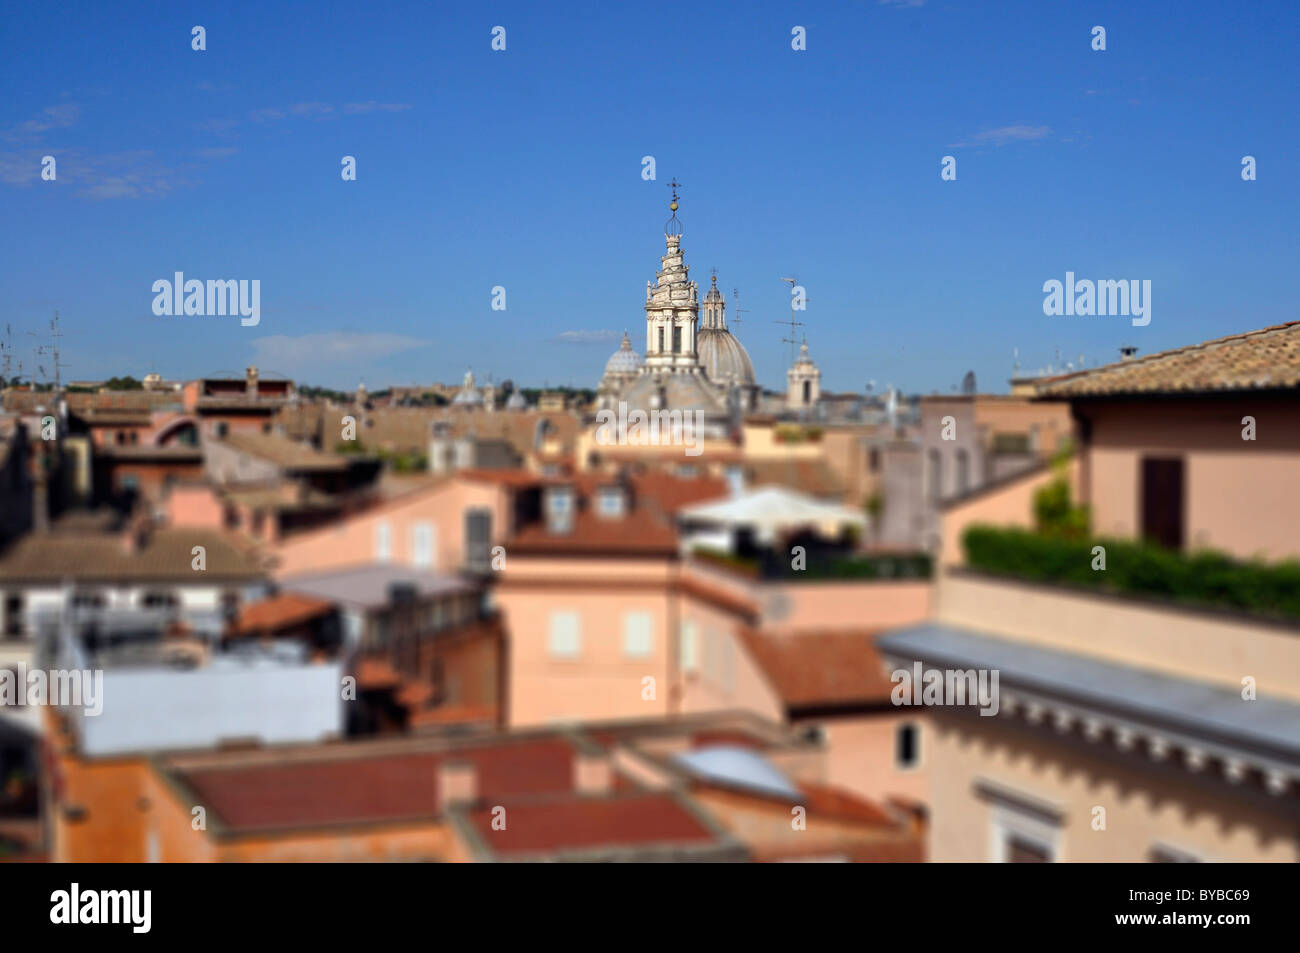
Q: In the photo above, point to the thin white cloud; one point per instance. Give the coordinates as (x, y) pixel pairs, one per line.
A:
(328, 348)
(1001, 136)
(370, 106)
(52, 117)
(587, 337)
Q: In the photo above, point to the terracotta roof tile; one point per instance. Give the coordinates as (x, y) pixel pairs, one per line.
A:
(821, 668)
(1256, 360)
(385, 787)
(581, 823)
(279, 612)
(639, 532)
(88, 557)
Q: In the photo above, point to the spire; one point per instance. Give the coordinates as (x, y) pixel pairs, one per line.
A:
(673, 226)
(715, 307)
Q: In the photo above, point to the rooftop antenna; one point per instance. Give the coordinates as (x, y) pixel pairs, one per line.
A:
(55, 334)
(737, 310)
(6, 356)
(791, 340)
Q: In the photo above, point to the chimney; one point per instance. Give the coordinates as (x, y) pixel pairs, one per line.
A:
(136, 536)
(592, 774)
(457, 784)
(250, 381)
(1127, 352)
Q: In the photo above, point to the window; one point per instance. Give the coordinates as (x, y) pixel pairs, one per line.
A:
(160, 599)
(422, 545)
(383, 542)
(565, 637)
(677, 339)
(807, 392)
(1162, 501)
(478, 538)
(873, 459)
(559, 509)
(14, 615)
(661, 340)
(609, 501)
(1024, 850)
(638, 634)
(963, 471)
(690, 647)
(907, 746)
(1163, 854)
(88, 599)
(936, 476)
(1024, 829)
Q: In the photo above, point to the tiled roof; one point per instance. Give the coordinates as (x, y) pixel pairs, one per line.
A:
(829, 668)
(640, 532)
(283, 452)
(814, 477)
(1267, 359)
(671, 493)
(387, 786)
(102, 557)
(585, 823)
(279, 612)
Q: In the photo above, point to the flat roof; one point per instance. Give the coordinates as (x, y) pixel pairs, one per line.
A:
(367, 585)
(1200, 708)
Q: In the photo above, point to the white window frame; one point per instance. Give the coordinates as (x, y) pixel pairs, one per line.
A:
(1006, 822)
(638, 635)
(690, 647)
(424, 537)
(564, 635)
(383, 541)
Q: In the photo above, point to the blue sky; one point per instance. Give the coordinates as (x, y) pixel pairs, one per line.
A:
(523, 169)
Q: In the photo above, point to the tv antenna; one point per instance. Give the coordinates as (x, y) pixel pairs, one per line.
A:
(737, 310)
(52, 350)
(792, 323)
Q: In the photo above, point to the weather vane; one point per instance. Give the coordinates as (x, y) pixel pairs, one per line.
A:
(673, 226)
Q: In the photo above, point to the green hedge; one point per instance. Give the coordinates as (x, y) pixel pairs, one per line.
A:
(776, 567)
(1205, 578)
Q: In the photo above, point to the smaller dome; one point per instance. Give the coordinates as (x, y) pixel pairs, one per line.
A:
(723, 357)
(624, 360)
(516, 401)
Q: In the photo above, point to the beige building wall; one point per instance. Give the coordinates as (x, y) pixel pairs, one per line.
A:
(861, 755)
(1144, 806)
(602, 680)
(1011, 504)
(1240, 495)
(355, 539)
(1206, 647)
(864, 604)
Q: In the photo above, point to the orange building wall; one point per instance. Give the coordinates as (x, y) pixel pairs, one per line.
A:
(352, 541)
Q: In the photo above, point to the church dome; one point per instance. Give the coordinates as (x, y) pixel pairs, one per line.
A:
(724, 358)
(623, 361)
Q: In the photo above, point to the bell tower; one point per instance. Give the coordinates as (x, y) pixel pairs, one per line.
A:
(672, 307)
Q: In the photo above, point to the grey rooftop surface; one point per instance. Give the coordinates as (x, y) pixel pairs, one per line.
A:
(1198, 708)
(367, 585)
